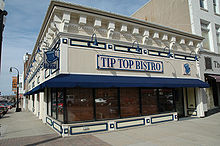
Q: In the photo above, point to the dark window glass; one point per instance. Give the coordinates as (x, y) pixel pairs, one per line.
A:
(208, 63)
(106, 100)
(79, 104)
(60, 105)
(33, 99)
(166, 102)
(49, 102)
(149, 101)
(129, 102)
(202, 3)
(54, 106)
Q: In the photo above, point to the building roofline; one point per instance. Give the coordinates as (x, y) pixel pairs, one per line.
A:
(57, 3)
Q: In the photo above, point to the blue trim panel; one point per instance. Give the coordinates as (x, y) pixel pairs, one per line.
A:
(160, 117)
(45, 74)
(56, 128)
(130, 121)
(71, 128)
(50, 121)
(126, 47)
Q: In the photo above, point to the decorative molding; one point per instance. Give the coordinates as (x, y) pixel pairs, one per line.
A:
(173, 39)
(135, 31)
(97, 22)
(182, 42)
(165, 37)
(156, 35)
(124, 28)
(82, 19)
(111, 25)
(190, 43)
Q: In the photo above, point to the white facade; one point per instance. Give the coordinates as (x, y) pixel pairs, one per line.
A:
(206, 14)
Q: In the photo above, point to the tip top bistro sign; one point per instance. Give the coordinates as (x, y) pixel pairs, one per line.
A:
(131, 64)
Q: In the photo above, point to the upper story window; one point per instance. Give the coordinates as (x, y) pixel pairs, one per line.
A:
(202, 4)
(205, 34)
(216, 6)
(218, 37)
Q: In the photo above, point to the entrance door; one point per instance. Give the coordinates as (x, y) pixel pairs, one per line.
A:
(191, 101)
(179, 102)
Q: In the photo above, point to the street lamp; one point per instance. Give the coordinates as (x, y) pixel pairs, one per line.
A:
(17, 108)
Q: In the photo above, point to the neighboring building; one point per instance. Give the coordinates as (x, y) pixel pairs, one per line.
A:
(26, 58)
(200, 17)
(3, 13)
(2, 5)
(92, 71)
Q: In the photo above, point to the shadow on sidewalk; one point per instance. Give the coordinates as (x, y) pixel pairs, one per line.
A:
(44, 141)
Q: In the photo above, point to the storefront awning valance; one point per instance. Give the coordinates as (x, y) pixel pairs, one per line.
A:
(216, 77)
(101, 81)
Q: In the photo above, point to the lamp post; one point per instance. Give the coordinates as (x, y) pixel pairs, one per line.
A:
(17, 108)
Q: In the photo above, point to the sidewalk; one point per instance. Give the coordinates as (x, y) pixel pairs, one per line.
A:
(25, 129)
(21, 124)
(191, 132)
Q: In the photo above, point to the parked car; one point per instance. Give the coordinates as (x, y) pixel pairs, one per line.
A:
(4, 109)
(7, 105)
(2, 112)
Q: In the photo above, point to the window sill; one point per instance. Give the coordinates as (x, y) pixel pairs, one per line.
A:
(217, 14)
(204, 9)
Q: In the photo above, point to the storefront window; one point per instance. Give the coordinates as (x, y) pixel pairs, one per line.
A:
(166, 100)
(106, 102)
(149, 101)
(53, 102)
(129, 102)
(79, 104)
(60, 105)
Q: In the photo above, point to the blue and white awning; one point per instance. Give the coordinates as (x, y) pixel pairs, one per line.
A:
(102, 81)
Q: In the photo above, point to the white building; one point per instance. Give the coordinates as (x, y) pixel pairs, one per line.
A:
(200, 17)
(2, 5)
(92, 71)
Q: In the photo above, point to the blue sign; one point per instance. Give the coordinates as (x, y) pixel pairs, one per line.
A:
(187, 68)
(131, 64)
(51, 60)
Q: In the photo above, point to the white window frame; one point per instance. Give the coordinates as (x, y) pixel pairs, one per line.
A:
(217, 28)
(205, 27)
(204, 4)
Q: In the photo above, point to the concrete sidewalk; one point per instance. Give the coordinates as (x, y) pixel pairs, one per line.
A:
(25, 129)
(199, 131)
(21, 124)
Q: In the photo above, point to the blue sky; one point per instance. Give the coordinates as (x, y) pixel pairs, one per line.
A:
(23, 24)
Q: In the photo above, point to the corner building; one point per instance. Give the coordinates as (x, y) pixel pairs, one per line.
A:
(94, 71)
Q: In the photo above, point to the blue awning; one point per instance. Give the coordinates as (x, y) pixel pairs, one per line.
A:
(102, 81)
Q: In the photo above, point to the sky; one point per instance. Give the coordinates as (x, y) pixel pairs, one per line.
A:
(23, 24)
